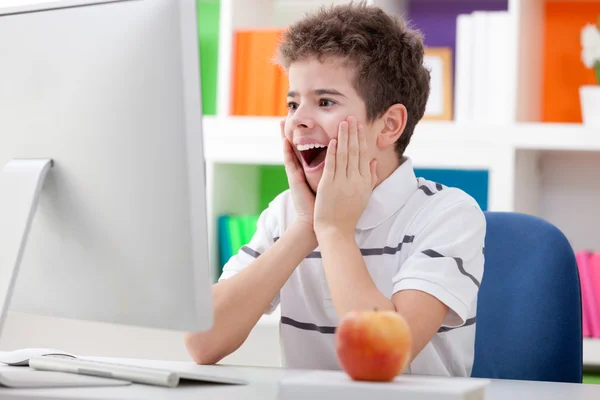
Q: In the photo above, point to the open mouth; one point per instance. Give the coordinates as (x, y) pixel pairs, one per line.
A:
(314, 157)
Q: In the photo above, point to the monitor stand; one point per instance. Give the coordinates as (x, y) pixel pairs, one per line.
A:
(21, 181)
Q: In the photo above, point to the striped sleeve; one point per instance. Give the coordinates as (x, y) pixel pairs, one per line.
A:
(261, 240)
(446, 258)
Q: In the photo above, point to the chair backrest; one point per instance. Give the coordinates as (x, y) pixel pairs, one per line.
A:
(529, 304)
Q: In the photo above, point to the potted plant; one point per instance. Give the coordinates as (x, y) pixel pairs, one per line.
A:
(590, 54)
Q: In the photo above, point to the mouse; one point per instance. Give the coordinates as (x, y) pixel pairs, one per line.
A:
(20, 357)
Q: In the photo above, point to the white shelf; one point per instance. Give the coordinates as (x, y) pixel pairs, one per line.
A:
(591, 352)
(256, 140)
(242, 140)
(561, 137)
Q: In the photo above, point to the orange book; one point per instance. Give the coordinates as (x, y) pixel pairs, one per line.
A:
(281, 108)
(254, 65)
(259, 84)
(240, 77)
(270, 40)
(264, 72)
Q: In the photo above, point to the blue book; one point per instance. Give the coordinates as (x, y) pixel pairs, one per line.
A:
(224, 240)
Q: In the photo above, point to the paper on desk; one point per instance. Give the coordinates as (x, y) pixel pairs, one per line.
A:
(337, 385)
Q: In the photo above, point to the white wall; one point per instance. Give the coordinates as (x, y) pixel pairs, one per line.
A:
(570, 195)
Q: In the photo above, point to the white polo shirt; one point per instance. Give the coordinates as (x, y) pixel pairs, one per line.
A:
(414, 234)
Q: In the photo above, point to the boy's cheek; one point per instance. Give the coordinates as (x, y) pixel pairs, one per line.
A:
(289, 134)
(334, 130)
(287, 128)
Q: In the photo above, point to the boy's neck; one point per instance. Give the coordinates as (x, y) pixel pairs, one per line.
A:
(386, 168)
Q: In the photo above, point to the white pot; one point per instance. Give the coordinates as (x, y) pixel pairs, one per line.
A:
(590, 104)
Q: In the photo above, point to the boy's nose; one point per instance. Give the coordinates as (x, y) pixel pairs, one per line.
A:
(302, 119)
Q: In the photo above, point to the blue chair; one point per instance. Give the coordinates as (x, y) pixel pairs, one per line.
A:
(529, 304)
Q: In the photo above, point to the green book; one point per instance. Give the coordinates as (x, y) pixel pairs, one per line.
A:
(208, 38)
(235, 234)
(272, 181)
(248, 227)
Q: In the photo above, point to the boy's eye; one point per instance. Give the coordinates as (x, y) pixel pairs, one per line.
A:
(292, 105)
(326, 103)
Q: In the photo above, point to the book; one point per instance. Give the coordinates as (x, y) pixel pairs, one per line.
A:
(259, 84)
(463, 92)
(485, 69)
(240, 78)
(208, 43)
(594, 274)
(588, 305)
(234, 231)
(224, 243)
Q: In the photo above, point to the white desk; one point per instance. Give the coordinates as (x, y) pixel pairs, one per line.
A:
(263, 386)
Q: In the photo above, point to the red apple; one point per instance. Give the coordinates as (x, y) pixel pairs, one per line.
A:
(373, 345)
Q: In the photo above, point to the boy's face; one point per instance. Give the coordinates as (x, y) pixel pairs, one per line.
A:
(321, 95)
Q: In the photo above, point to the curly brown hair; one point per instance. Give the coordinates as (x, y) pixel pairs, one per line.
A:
(386, 53)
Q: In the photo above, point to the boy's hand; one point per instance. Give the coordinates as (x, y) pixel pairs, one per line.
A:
(348, 180)
(303, 197)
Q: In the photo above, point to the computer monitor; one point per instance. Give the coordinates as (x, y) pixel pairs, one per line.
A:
(102, 189)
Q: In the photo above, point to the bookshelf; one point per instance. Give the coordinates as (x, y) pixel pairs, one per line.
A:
(539, 161)
(591, 353)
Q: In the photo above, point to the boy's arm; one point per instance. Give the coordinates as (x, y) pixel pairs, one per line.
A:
(435, 286)
(348, 279)
(241, 300)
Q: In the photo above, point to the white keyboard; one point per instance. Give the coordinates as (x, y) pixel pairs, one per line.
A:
(150, 376)
(132, 373)
(24, 377)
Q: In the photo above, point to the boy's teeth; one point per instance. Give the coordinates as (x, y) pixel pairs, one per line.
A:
(303, 147)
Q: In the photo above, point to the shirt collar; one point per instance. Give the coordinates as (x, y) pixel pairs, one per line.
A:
(389, 196)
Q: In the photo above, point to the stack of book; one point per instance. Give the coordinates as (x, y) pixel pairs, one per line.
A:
(485, 68)
(234, 231)
(259, 84)
(589, 275)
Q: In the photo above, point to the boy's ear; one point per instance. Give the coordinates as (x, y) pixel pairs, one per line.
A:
(392, 123)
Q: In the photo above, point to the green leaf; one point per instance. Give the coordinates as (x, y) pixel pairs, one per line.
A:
(597, 70)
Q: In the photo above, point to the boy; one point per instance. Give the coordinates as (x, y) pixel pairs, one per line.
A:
(356, 229)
